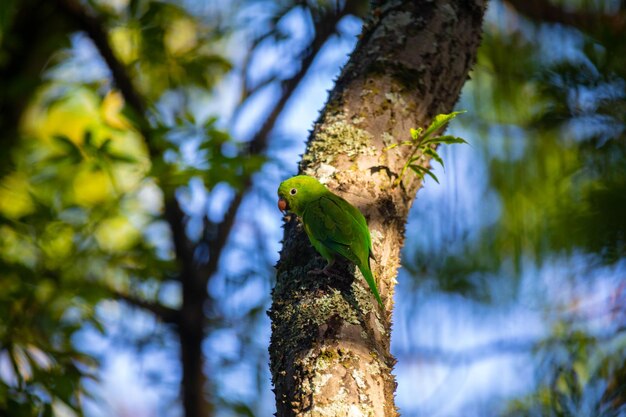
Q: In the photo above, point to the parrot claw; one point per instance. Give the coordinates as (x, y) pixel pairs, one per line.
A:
(324, 271)
(318, 271)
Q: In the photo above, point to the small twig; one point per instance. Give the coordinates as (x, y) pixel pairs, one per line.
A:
(586, 21)
(165, 314)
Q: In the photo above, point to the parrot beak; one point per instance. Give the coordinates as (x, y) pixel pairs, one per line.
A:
(282, 205)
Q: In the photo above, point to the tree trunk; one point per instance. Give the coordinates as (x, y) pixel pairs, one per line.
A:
(330, 341)
(190, 319)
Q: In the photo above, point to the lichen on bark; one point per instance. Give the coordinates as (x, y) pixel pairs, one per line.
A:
(335, 138)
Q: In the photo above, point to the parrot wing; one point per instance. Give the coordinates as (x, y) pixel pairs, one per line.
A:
(341, 228)
(357, 216)
(328, 221)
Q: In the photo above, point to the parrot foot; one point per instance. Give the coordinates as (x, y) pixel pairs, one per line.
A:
(327, 270)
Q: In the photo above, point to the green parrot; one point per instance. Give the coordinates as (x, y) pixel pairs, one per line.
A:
(334, 226)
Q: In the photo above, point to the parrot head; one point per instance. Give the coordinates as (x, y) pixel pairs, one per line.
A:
(296, 192)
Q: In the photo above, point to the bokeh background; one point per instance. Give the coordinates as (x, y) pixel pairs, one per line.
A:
(511, 299)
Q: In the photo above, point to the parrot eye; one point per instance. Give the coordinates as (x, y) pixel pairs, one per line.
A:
(293, 191)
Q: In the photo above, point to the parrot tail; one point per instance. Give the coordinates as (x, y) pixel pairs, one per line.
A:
(369, 277)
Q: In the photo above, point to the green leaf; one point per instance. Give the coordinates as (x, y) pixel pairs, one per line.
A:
(447, 139)
(433, 154)
(60, 159)
(415, 158)
(420, 171)
(73, 151)
(88, 141)
(415, 133)
(440, 121)
(105, 145)
(117, 157)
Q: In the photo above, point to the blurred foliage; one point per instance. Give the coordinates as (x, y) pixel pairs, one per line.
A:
(164, 46)
(552, 130)
(549, 102)
(82, 213)
(77, 207)
(71, 218)
(579, 374)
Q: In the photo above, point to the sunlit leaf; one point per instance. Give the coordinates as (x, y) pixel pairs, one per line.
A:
(116, 234)
(116, 157)
(71, 150)
(432, 153)
(447, 139)
(15, 200)
(111, 109)
(420, 171)
(439, 122)
(180, 36)
(91, 187)
(416, 133)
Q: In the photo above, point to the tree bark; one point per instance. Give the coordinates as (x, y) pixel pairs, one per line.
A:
(330, 342)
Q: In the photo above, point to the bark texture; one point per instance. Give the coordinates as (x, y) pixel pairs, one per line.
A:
(330, 341)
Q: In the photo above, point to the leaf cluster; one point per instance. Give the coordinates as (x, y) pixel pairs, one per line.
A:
(423, 145)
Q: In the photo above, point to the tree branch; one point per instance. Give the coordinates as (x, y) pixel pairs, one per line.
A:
(183, 247)
(165, 314)
(587, 21)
